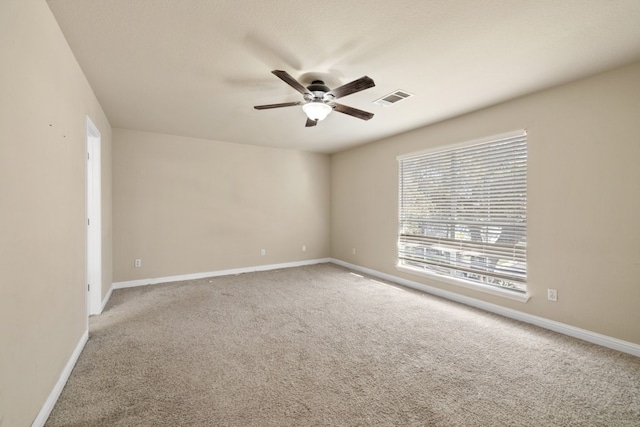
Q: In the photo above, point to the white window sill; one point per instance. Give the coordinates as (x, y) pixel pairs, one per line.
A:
(487, 289)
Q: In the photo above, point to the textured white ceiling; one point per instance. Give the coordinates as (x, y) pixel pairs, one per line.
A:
(197, 67)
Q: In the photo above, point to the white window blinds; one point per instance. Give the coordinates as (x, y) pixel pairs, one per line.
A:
(463, 212)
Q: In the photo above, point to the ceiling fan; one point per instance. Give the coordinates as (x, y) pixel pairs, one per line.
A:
(318, 98)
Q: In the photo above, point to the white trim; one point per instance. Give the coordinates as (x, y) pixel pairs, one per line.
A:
(105, 300)
(94, 213)
(572, 331)
(487, 289)
(194, 276)
(46, 409)
(512, 134)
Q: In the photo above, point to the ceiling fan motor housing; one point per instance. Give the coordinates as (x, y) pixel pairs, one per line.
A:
(319, 91)
(318, 86)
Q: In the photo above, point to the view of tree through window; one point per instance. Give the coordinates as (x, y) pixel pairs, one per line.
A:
(463, 212)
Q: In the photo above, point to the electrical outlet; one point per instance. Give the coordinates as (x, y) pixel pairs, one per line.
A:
(263, 252)
(353, 251)
(137, 262)
(304, 248)
(552, 295)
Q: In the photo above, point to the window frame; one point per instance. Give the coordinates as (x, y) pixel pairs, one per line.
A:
(518, 295)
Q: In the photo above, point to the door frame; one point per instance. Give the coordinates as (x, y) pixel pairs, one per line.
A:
(94, 220)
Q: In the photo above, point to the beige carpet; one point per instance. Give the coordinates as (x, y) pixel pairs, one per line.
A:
(318, 346)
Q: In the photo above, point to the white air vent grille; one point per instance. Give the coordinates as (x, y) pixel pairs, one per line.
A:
(392, 98)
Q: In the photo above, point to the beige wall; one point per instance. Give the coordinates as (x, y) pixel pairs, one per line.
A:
(44, 100)
(185, 205)
(583, 199)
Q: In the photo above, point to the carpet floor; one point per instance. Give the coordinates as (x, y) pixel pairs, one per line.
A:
(320, 346)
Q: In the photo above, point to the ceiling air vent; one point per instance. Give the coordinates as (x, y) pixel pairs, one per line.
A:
(392, 98)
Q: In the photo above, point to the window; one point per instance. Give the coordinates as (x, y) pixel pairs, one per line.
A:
(463, 212)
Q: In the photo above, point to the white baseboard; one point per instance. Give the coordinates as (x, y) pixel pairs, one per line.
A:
(62, 380)
(105, 300)
(194, 276)
(583, 334)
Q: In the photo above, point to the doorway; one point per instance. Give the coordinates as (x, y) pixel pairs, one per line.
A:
(94, 221)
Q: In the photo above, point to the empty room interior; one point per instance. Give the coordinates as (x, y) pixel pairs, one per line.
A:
(338, 213)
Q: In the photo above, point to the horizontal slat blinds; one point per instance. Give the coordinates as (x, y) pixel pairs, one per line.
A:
(463, 212)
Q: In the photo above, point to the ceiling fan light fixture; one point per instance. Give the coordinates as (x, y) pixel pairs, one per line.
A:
(318, 102)
(317, 110)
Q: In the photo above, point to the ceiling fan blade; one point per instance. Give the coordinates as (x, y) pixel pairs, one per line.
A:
(285, 104)
(286, 77)
(311, 122)
(355, 86)
(351, 111)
